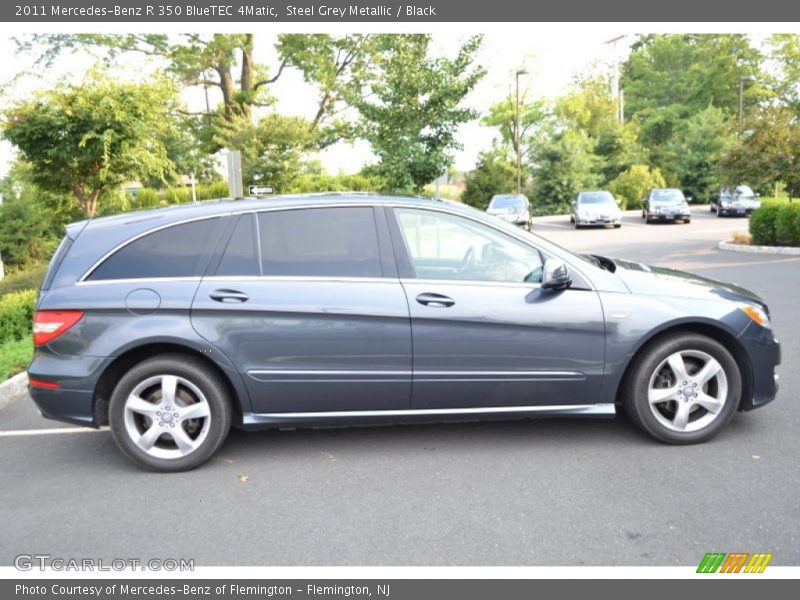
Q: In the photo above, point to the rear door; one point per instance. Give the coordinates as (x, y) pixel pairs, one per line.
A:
(306, 302)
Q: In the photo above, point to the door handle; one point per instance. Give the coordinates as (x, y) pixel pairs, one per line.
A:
(429, 299)
(228, 296)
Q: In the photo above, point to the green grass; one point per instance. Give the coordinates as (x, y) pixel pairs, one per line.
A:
(15, 356)
(778, 199)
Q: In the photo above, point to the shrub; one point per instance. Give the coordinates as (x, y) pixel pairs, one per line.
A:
(632, 186)
(29, 279)
(145, 198)
(15, 355)
(762, 224)
(787, 225)
(16, 315)
(26, 234)
(741, 237)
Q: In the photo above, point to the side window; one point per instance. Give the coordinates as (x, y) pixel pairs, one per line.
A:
(171, 252)
(240, 256)
(443, 246)
(320, 242)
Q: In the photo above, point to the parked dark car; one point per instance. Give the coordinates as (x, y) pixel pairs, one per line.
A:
(666, 204)
(595, 208)
(512, 208)
(173, 324)
(740, 201)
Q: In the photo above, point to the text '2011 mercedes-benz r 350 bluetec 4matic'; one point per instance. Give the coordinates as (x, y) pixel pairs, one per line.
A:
(172, 325)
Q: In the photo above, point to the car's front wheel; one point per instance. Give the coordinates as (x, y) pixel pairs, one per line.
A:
(683, 389)
(170, 413)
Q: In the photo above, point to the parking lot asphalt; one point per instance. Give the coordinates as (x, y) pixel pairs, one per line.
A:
(543, 492)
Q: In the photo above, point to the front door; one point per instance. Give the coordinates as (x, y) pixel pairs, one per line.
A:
(485, 334)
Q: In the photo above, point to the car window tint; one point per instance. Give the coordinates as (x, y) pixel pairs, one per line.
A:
(240, 257)
(445, 246)
(320, 242)
(170, 252)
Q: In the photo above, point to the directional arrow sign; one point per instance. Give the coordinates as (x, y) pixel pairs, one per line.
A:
(260, 190)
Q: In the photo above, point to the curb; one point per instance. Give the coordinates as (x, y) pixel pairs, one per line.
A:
(13, 389)
(748, 249)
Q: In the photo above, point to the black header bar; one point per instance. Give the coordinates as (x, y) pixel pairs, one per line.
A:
(388, 11)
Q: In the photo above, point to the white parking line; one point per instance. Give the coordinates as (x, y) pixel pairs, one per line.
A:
(21, 432)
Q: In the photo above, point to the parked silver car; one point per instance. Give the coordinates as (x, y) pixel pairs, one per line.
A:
(740, 201)
(512, 208)
(595, 208)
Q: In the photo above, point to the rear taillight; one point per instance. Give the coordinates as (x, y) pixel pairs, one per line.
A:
(49, 324)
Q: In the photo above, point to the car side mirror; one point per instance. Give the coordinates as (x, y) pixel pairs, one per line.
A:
(618, 201)
(555, 275)
(758, 195)
(689, 198)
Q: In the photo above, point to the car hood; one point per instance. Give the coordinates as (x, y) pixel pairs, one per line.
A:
(661, 281)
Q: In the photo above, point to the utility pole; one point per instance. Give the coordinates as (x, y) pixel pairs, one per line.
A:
(517, 134)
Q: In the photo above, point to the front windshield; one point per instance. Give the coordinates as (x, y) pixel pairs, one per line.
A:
(667, 196)
(507, 202)
(596, 198)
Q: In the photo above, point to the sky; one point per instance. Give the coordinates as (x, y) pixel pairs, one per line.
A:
(553, 56)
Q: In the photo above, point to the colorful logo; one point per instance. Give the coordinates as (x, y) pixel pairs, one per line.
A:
(735, 562)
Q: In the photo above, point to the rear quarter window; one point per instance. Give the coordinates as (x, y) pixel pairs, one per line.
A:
(175, 251)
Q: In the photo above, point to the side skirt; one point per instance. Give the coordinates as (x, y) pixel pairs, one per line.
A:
(391, 417)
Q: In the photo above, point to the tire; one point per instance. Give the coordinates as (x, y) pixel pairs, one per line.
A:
(647, 218)
(572, 218)
(676, 416)
(687, 221)
(617, 225)
(194, 388)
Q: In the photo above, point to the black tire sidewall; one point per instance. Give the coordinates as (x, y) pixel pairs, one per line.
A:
(200, 375)
(636, 400)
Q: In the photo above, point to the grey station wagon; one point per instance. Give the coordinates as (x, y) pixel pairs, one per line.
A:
(172, 325)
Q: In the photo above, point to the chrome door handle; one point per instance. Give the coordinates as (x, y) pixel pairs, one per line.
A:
(439, 300)
(228, 296)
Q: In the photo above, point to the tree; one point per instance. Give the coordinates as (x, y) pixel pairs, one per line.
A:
(412, 110)
(503, 116)
(495, 173)
(785, 51)
(697, 149)
(767, 152)
(669, 78)
(272, 148)
(89, 138)
(565, 164)
(632, 186)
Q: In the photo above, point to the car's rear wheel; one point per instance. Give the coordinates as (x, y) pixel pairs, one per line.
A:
(683, 389)
(170, 413)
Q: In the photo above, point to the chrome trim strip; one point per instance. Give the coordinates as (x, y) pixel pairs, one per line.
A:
(346, 375)
(575, 409)
(138, 280)
(301, 278)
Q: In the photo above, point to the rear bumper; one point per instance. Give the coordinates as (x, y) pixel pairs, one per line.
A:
(76, 377)
(764, 352)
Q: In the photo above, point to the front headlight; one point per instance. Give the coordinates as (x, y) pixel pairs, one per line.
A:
(756, 313)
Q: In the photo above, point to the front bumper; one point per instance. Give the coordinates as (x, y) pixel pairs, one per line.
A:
(764, 352)
(669, 217)
(599, 220)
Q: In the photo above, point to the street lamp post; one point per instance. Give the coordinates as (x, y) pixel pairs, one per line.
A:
(516, 134)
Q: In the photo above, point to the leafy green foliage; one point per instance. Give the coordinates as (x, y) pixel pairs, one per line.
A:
(16, 314)
(495, 174)
(25, 233)
(633, 185)
(695, 153)
(565, 165)
(762, 224)
(89, 138)
(15, 355)
(787, 225)
(413, 109)
(29, 278)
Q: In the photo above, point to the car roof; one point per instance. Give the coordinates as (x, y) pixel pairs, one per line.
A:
(223, 206)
